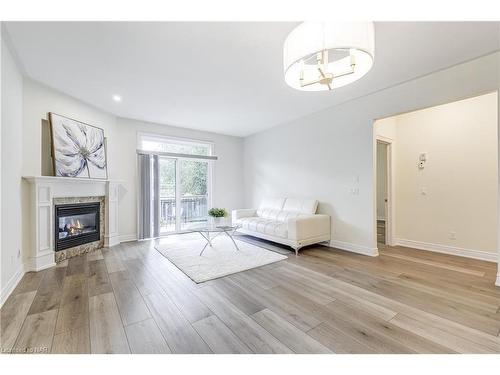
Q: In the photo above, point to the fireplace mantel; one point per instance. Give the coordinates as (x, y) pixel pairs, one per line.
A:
(43, 191)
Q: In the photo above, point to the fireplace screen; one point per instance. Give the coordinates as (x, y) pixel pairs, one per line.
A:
(76, 224)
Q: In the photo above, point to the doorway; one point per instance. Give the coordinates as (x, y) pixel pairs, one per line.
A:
(383, 200)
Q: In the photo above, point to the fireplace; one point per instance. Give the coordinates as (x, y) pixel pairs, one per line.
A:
(76, 224)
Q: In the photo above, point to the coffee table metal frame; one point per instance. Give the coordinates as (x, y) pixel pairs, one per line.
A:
(205, 233)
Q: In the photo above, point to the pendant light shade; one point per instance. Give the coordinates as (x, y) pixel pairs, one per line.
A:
(326, 55)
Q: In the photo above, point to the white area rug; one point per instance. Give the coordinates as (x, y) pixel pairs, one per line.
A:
(220, 260)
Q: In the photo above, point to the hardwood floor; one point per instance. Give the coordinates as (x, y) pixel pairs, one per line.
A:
(130, 299)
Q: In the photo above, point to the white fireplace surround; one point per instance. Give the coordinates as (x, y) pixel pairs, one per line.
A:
(43, 190)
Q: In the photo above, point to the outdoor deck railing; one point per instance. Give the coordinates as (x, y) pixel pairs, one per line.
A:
(193, 209)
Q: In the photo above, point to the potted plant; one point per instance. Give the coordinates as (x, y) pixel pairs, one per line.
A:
(217, 215)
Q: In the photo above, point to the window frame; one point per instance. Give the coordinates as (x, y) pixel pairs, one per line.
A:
(174, 140)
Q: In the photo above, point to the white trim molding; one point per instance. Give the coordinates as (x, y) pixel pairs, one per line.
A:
(11, 284)
(451, 250)
(128, 238)
(40, 262)
(355, 248)
(497, 283)
(111, 237)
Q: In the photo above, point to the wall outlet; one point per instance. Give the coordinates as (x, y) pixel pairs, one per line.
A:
(453, 235)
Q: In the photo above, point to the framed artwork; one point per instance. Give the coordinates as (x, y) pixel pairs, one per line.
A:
(79, 149)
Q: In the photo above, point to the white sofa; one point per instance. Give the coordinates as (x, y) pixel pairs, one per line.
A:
(288, 221)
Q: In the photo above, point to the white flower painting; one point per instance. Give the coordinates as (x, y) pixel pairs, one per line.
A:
(78, 148)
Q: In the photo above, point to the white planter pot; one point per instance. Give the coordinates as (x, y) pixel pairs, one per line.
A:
(218, 220)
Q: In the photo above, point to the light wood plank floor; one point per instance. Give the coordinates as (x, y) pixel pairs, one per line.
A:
(130, 299)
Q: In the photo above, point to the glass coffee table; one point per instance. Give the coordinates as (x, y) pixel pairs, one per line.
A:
(210, 232)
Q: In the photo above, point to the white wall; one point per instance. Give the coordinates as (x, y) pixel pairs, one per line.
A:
(386, 127)
(457, 189)
(11, 167)
(39, 100)
(228, 174)
(330, 155)
(121, 149)
(381, 180)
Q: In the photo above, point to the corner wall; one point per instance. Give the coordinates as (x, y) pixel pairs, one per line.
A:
(329, 155)
(11, 167)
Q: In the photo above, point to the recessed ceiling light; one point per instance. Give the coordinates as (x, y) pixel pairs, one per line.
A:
(117, 98)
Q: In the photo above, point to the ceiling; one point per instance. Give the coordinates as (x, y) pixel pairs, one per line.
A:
(221, 77)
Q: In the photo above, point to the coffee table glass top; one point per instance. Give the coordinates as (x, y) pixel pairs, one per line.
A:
(213, 228)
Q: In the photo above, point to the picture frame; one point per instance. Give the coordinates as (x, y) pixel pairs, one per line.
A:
(78, 148)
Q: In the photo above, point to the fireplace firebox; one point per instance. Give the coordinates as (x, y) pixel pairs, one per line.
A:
(76, 224)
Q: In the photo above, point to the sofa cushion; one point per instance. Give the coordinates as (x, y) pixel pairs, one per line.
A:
(272, 203)
(270, 208)
(304, 206)
(266, 226)
(268, 213)
(283, 216)
(277, 215)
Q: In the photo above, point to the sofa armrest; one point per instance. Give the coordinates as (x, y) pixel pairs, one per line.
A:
(308, 226)
(245, 212)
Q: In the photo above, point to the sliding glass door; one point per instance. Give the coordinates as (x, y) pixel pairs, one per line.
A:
(184, 179)
(184, 193)
(168, 194)
(193, 193)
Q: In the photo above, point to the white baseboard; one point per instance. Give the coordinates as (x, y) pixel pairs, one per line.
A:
(128, 237)
(355, 248)
(110, 241)
(451, 250)
(11, 284)
(497, 283)
(39, 263)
